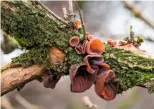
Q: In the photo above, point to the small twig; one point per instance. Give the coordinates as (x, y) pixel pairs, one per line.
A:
(64, 12)
(6, 103)
(131, 31)
(139, 14)
(70, 7)
(70, 11)
(87, 102)
(84, 30)
(149, 39)
(69, 16)
(52, 13)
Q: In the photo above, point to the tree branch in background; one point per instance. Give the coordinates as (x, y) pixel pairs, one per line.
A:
(137, 13)
(149, 39)
(6, 103)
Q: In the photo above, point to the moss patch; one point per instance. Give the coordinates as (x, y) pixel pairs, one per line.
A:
(130, 68)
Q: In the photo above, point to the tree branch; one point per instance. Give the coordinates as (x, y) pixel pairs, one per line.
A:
(12, 78)
(52, 13)
(137, 13)
(47, 46)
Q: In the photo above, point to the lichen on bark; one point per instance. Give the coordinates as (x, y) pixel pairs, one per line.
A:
(37, 31)
(131, 69)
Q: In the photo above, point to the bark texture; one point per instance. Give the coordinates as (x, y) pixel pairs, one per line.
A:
(38, 31)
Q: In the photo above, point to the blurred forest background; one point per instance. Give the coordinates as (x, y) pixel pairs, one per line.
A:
(106, 20)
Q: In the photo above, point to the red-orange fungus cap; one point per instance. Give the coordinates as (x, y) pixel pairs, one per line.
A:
(91, 60)
(103, 88)
(106, 66)
(99, 85)
(110, 76)
(108, 92)
(77, 24)
(112, 42)
(78, 49)
(89, 37)
(95, 46)
(74, 41)
(81, 80)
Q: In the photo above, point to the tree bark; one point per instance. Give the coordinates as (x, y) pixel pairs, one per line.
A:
(13, 78)
(35, 28)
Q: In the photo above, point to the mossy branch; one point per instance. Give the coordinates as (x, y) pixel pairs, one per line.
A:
(46, 40)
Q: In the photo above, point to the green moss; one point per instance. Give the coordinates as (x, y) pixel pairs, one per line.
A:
(31, 27)
(37, 31)
(130, 68)
(151, 90)
(137, 14)
(33, 56)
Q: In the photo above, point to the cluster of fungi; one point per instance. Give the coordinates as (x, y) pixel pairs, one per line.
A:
(92, 70)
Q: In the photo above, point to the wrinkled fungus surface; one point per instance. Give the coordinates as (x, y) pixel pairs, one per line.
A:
(105, 87)
(92, 70)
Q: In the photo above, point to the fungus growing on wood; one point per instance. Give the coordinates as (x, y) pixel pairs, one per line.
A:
(77, 24)
(92, 70)
(81, 48)
(95, 46)
(81, 80)
(89, 46)
(74, 41)
(112, 42)
(93, 60)
(89, 37)
(105, 86)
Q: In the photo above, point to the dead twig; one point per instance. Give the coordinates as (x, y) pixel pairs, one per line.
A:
(137, 13)
(70, 10)
(79, 10)
(64, 12)
(6, 103)
(52, 13)
(87, 102)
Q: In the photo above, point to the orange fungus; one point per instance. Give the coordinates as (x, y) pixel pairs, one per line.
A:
(95, 46)
(74, 41)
